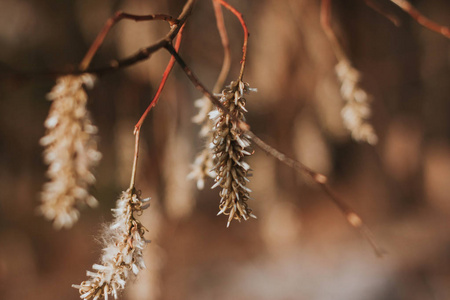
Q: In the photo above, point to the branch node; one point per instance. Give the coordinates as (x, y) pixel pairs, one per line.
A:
(114, 64)
(354, 220)
(322, 179)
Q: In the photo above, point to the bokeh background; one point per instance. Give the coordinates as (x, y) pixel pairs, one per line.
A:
(300, 247)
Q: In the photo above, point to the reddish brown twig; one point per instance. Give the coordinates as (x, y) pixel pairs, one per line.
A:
(162, 84)
(241, 124)
(145, 53)
(379, 9)
(325, 16)
(351, 216)
(173, 32)
(135, 159)
(421, 19)
(137, 127)
(226, 47)
(246, 34)
(110, 23)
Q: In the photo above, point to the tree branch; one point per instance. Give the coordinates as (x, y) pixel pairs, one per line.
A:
(421, 19)
(351, 216)
(325, 16)
(379, 9)
(145, 53)
(246, 34)
(226, 47)
(162, 84)
(110, 23)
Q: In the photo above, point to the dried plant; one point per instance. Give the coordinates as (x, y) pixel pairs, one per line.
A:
(70, 151)
(122, 252)
(202, 167)
(229, 146)
(356, 111)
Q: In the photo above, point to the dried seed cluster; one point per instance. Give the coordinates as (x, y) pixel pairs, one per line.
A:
(356, 111)
(122, 255)
(229, 147)
(70, 151)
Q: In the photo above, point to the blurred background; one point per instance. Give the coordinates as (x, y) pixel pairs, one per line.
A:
(300, 247)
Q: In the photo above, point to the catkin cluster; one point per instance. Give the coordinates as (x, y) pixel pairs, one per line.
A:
(70, 151)
(203, 163)
(356, 111)
(229, 147)
(122, 255)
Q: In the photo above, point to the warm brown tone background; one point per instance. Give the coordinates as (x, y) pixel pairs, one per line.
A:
(300, 247)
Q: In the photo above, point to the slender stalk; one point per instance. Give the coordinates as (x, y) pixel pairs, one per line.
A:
(110, 23)
(145, 53)
(246, 34)
(137, 127)
(162, 84)
(226, 47)
(421, 19)
(135, 160)
(351, 216)
(325, 16)
(379, 9)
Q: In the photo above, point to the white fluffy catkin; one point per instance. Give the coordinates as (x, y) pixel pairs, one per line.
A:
(203, 163)
(357, 110)
(70, 151)
(122, 252)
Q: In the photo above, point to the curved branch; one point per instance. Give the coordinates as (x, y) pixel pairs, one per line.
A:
(161, 85)
(379, 9)
(145, 53)
(421, 19)
(110, 23)
(246, 35)
(351, 216)
(226, 47)
(325, 16)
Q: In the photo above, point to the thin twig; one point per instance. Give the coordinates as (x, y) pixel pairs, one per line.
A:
(325, 16)
(379, 9)
(351, 216)
(246, 34)
(135, 160)
(145, 53)
(110, 23)
(162, 84)
(137, 127)
(421, 19)
(241, 124)
(226, 47)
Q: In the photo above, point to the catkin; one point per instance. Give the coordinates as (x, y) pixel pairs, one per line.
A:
(122, 254)
(203, 163)
(70, 151)
(357, 110)
(229, 147)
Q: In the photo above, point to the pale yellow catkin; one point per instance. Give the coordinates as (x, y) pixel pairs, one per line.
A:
(357, 110)
(122, 254)
(70, 151)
